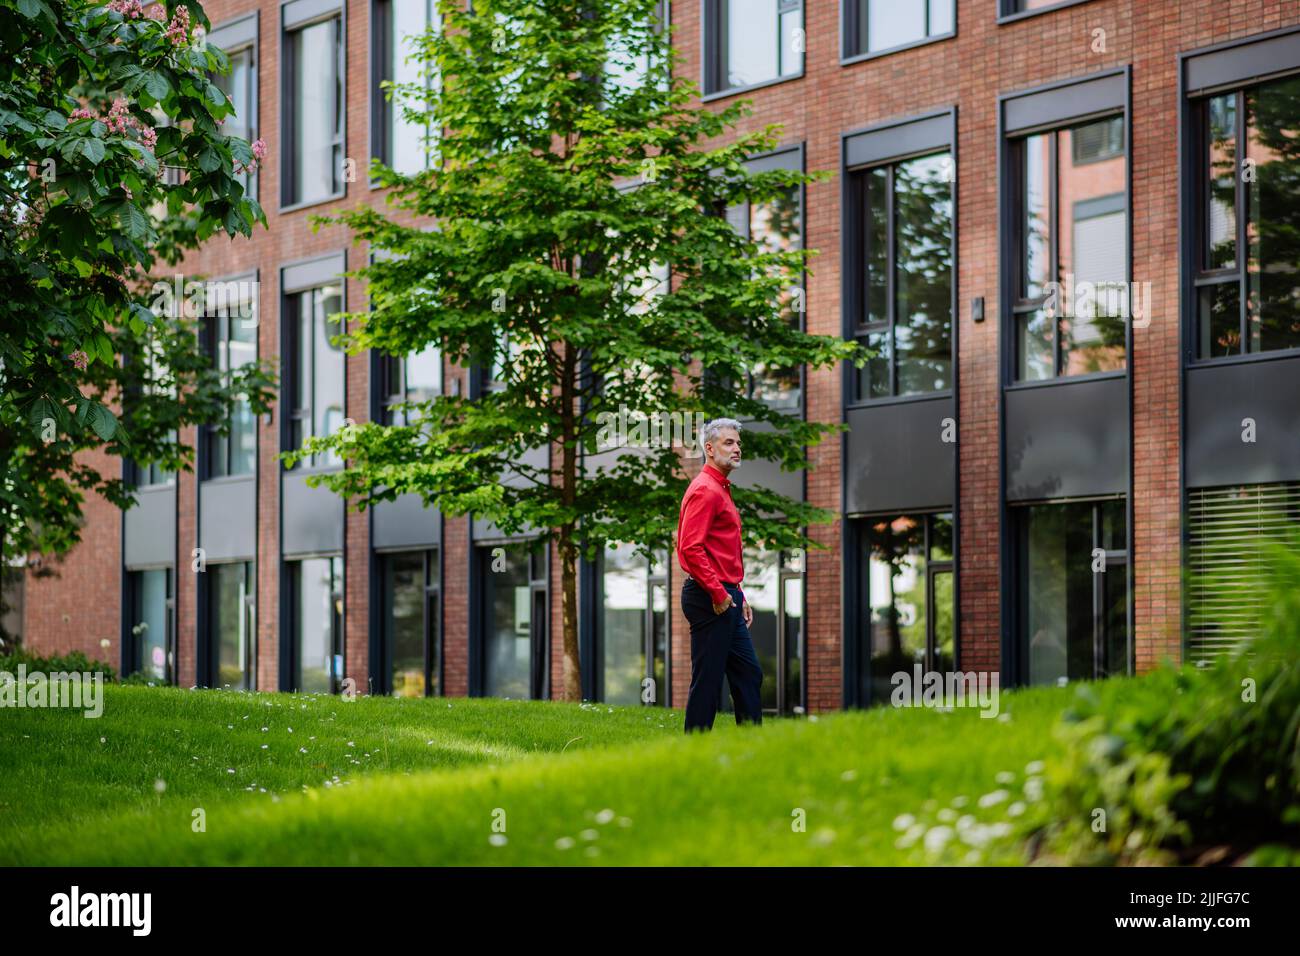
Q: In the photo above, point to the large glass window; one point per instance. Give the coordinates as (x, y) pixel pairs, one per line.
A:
(1072, 215)
(634, 628)
(411, 619)
(1073, 591)
(1248, 277)
(232, 344)
(400, 143)
(416, 378)
(775, 226)
(872, 26)
(318, 624)
(232, 624)
(240, 87)
(514, 619)
(752, 41)
(150, 645)
(314, 112)
(906, 564)
(316, 368)
(905, 312)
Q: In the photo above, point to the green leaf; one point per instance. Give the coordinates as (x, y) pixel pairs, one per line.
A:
(132, 220)
(103, 421)
(209, 160)
(104, 348)
(156, 85)
(93, 150)
(31, 9)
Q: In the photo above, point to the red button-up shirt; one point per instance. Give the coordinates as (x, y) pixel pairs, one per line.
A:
(708, 534)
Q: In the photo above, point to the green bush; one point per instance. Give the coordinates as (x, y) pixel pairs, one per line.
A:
(1185, 762)
(75, 661)
(1178, 766)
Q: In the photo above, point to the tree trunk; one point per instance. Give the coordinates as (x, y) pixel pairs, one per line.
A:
(568, 547)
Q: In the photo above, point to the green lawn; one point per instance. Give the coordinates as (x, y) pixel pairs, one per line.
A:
(385, 781)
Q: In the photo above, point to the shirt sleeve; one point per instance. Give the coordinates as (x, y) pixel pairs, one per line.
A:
(697, 516)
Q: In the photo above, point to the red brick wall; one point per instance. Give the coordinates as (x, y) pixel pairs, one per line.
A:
(969, 72)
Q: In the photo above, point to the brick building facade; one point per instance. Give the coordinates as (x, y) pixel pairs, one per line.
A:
(1145, 447)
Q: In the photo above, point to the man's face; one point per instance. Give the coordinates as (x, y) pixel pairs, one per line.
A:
(723, 452)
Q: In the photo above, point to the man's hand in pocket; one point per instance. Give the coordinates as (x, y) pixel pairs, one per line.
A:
(719, 608)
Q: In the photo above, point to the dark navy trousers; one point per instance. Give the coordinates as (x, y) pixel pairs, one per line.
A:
(720, 646)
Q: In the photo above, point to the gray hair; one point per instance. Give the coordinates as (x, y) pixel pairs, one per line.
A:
(710, 430)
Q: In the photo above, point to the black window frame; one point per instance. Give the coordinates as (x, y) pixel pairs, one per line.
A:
(1116, 562)
(338, 620)
(382, 108)
(321, 12)
(432, 633)
(215, 337)
(211, 621)
(292, 415)
(1053, 108)
(1007, 12)
(714, 60)
(850, 23)
(233, 37)
(131, 656)
(656, 575)
(539, 569)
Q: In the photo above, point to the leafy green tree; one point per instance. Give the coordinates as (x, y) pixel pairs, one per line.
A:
(571, 167)
(112, 161)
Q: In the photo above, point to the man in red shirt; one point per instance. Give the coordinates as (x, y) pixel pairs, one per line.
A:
(708, 549)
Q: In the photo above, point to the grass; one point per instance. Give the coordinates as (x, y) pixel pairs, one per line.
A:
(385, 781)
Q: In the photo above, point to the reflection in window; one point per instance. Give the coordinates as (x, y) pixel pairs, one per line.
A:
(753, 41)
(316, 369)
(411, 622)
(149, 637)
(233, 341)
(1248, 282)
(416, 378)
(876, 25)
(508, 637)
(907, 567)
(398, 23)
(906, 292)
(318, 621)
(240, 88)
(634, 628)
(1073, 265)
(315, 112)
(1074, 619)
(232, 624)
(776, 227)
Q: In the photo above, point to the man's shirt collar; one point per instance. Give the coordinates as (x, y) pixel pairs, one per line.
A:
(717, 476)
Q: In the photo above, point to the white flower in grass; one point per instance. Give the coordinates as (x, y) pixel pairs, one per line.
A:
(266, 746)
(849, 775)
(947, 815)
(1034, 789)
(625, 821)
(908, 839)
(102, 740)
(230, 770)
(965, 822)
(589, 834)
(937, 839)
(263, 730)
(1016, 809)
(993, 799)
(605, 816)
(351, 744)
(1032, 769)
(903, 821)
(564, 843)
(960, 802)
(1005, 777)
(497, 839)
(160, 785)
